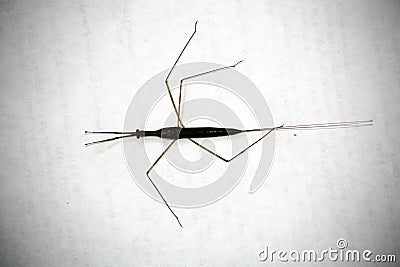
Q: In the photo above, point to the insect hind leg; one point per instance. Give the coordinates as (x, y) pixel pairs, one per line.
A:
(154, 185)
(238, 154)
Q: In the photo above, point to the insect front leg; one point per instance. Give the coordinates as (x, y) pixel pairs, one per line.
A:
(172, 68)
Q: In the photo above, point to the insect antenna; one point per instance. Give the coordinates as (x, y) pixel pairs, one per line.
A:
(108, 139)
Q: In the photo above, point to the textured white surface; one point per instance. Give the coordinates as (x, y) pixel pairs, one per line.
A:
(68, 66)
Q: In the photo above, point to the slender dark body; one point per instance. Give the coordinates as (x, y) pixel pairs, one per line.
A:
(175, 133)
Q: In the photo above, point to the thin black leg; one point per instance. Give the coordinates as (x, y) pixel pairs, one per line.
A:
(197, 75)
(151, 181)
(166, 79)
(238, 154)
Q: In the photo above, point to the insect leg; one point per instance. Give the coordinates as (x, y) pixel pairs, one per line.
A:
(197, 75)
(238, 154)
(151, 181)
(166, 79)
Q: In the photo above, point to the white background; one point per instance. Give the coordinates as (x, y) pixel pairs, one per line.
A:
(70, 66)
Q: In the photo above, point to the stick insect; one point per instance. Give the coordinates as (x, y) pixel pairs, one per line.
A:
(180, 131)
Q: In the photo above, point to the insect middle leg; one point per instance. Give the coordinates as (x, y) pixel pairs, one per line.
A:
(197, 75)
(238, 154)
(151, 181)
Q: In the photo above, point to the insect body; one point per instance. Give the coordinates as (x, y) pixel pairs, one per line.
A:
(175, 133)
(180, 131)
